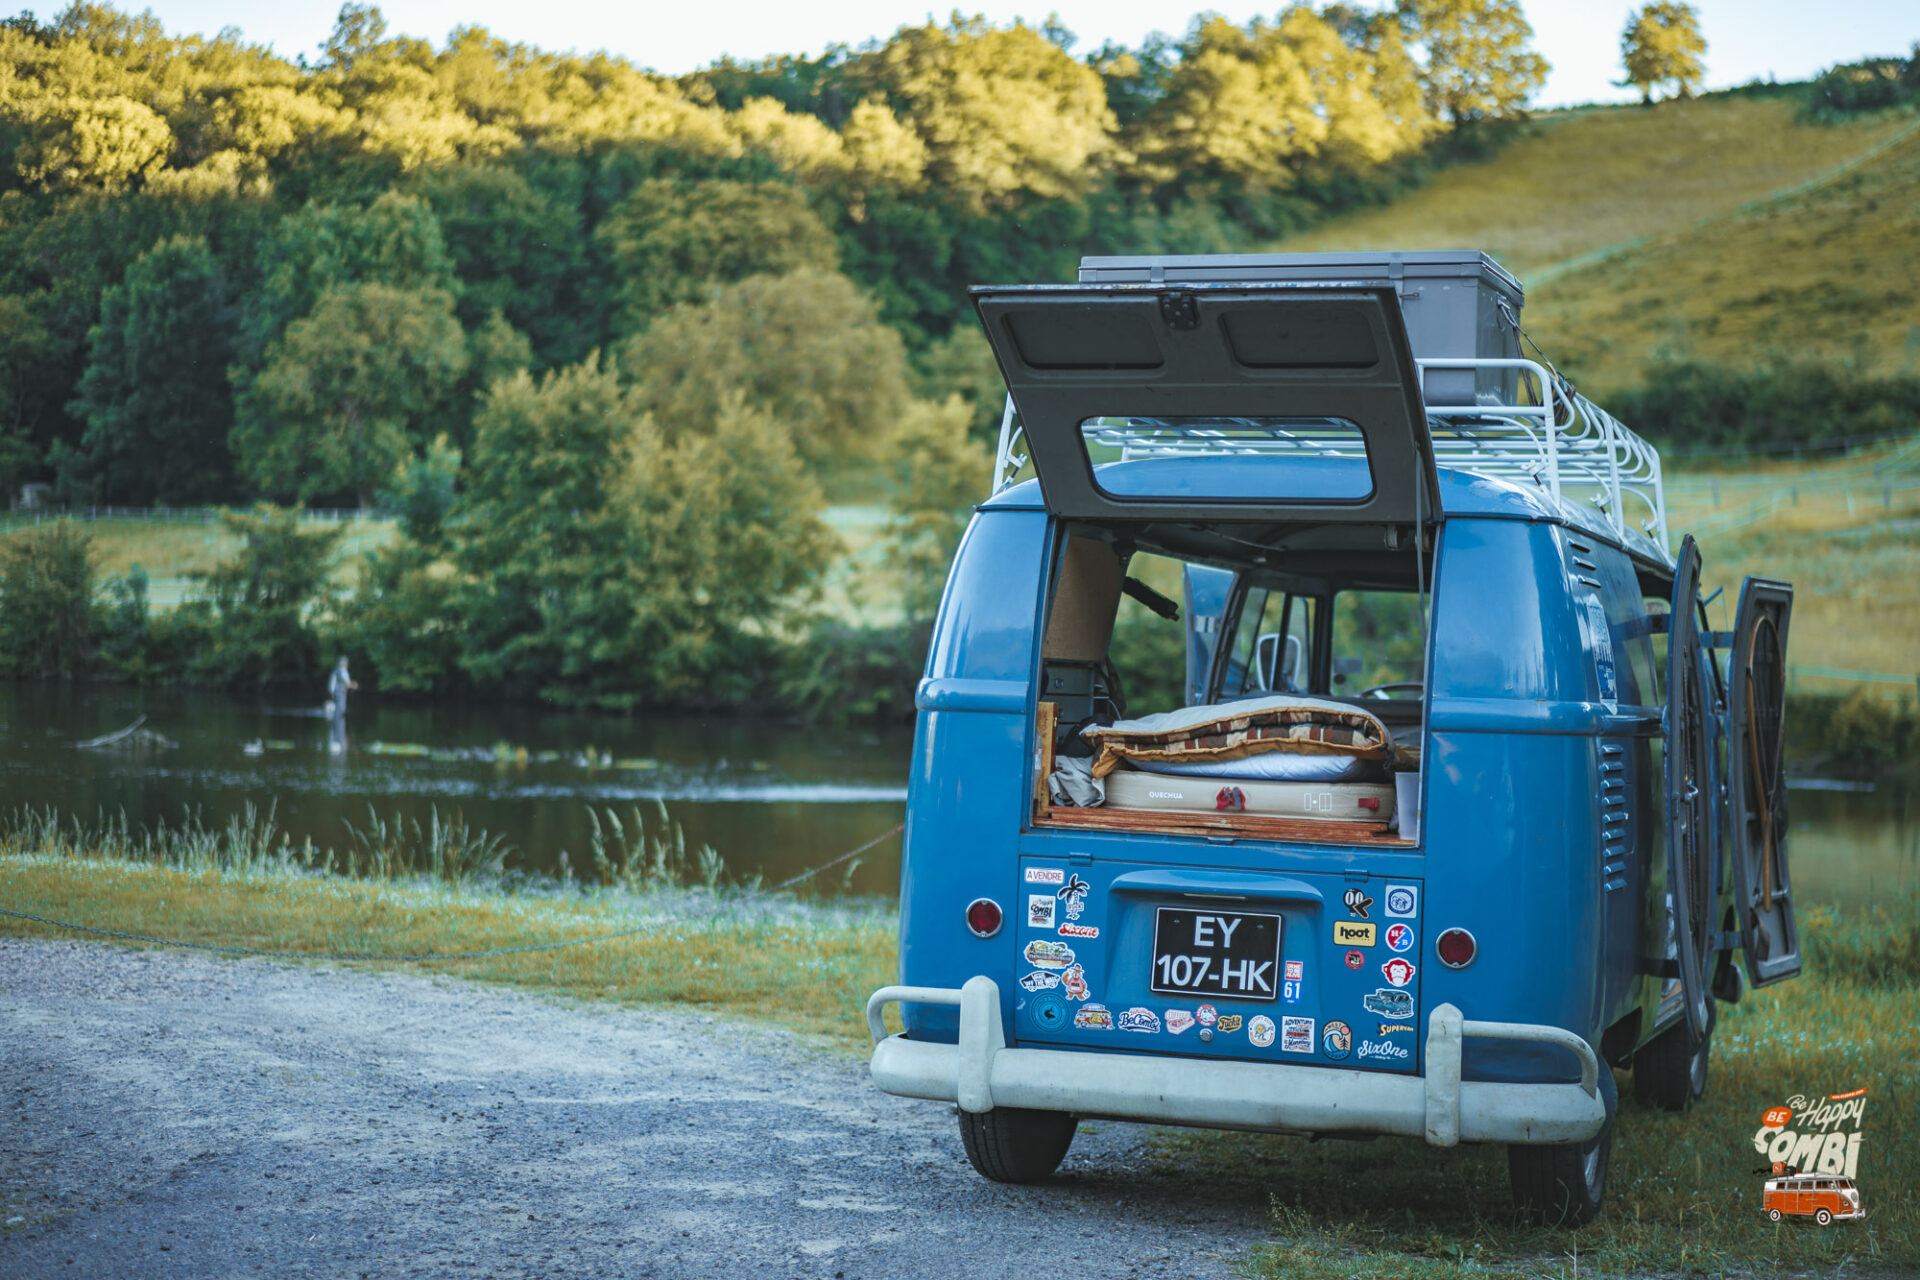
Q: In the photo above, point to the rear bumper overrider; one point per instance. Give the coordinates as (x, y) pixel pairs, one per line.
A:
(980, 1073)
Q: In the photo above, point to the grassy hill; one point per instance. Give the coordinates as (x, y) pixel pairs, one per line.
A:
(1720, 227)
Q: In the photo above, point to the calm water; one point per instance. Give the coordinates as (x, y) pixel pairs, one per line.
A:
(771, 797)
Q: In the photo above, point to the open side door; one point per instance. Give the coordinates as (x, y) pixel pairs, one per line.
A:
(1757, 781)
(1319, 375)
(1207, 590)
(1690, 794)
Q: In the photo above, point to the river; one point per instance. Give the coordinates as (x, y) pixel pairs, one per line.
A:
(772, 798)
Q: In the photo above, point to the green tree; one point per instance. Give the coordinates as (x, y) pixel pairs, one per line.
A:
(1662, 45)
(672, 242)
(46, 601)
(257, 613)
(807, 348)
(154, 397)
(336, 406)
(940, 470)
(1004, 114)
(1478, 63)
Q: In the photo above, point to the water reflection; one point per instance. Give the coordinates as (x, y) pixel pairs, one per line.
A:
(772, 798)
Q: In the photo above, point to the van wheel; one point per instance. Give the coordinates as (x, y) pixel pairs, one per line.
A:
(1010, 1145)
(1562, 1186)
(1823, 1217)
(1670, 1071)
(1774, 1214)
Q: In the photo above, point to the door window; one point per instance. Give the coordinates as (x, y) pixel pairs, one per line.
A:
(1378, 644)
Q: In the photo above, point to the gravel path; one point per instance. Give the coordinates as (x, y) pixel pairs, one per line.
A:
(173, 1115)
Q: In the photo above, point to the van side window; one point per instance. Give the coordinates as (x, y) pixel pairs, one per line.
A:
(1378, 641)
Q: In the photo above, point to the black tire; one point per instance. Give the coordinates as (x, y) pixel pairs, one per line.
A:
(1563, 1186)
(1670, 1070)
(1010, 1145)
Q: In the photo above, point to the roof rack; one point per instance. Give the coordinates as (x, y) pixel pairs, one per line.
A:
(1552, 439)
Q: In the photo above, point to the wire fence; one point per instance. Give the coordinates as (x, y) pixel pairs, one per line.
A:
(175, 515)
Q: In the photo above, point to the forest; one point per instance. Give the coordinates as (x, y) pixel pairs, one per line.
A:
(606, 343)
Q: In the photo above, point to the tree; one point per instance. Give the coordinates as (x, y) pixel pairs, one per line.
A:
(46, 601)
(807, 348)
(1662, 45)
(154, 396)
(256, 612)
(940, 470)
(1005, 114)
(336, 406)
(673, 241)
(1478, 65)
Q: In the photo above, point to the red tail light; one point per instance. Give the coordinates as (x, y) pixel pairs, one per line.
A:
(983, 917)
(1457, 948)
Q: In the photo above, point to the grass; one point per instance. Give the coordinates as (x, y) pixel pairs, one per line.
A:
(172, 551)
(1587, 180)
(1821, 273)
(1842, 532)
(806, 967)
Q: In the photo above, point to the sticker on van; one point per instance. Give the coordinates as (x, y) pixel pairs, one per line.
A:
(1040, 910)
(1046, 875)
(1351, 933)
(1389, 1003)
(1403, 901)
(1260, 1031)
(1043, 953)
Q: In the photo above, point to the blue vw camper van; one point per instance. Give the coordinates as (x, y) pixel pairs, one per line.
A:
(1436, 798)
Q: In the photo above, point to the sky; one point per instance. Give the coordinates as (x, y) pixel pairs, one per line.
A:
(1746, 39)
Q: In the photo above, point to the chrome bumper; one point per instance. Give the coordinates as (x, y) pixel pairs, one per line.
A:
(981, 1072)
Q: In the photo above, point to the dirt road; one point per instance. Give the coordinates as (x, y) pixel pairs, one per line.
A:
(164, 1114)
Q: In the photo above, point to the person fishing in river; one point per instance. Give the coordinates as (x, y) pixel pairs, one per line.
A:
(338, 686)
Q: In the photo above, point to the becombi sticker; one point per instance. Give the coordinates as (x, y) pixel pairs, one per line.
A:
(1296, 1035)
(1040, 910)
(1260, 1030)
(1403, 901)
(1140, 1019)
(1046, 875)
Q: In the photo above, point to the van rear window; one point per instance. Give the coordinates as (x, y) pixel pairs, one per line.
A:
(1230, 458)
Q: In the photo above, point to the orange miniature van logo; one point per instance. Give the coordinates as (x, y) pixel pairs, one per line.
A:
(1812, 1146)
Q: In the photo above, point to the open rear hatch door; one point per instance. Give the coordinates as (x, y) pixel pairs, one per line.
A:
(1757, 783)
(1691, 850)
(1319, 379)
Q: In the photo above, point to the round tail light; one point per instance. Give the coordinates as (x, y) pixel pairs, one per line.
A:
(1457, 948)
(983, 917)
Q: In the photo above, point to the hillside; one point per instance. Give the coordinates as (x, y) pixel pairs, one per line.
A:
(1650, 226)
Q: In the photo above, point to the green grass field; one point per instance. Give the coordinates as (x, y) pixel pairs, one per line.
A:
(1724, 227)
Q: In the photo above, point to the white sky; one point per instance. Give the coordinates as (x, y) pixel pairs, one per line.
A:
(1746, 39)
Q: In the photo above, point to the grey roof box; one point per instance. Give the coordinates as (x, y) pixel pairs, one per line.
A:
(1451, 299)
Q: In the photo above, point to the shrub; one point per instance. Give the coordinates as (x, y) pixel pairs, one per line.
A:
(46, 601)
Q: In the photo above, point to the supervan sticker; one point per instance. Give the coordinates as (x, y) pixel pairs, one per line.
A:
(1044, 953)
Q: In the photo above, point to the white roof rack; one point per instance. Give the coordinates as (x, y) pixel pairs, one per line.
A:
(1560, 443)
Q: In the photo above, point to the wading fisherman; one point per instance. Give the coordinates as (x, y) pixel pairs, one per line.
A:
(338, 686)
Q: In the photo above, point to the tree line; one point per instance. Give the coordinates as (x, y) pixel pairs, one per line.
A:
(606, 341)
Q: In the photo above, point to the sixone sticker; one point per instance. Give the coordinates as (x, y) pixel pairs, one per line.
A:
(1260, 1030)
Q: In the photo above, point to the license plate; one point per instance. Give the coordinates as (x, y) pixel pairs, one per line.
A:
(1231, 954)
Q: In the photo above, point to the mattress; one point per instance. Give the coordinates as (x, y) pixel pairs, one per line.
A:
(1278, 766)
(1234, 731)
(1319, 801)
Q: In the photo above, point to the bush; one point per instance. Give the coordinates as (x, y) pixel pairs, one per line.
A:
(1862, 734)
(1700, 403)
(1870, 85)
(46, 601)
(840, 673)
(255, 620)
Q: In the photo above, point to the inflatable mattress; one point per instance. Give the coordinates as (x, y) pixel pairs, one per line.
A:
(1320, 801)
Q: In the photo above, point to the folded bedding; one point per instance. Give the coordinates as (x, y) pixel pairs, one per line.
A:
(1279, 766)
(1284, 724)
